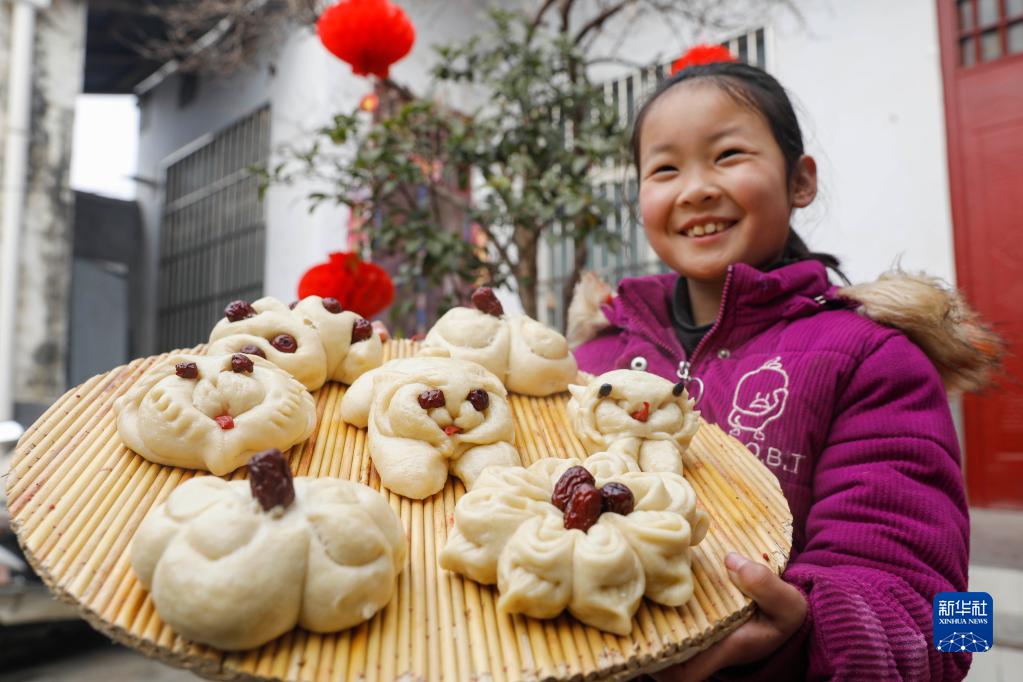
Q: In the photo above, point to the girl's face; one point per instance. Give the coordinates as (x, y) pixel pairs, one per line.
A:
(713, 187)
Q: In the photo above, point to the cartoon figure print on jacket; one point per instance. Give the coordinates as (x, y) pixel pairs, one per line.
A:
(850, 415)
(752, 409)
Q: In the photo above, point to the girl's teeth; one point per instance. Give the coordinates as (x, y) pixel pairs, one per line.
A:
(709, 228)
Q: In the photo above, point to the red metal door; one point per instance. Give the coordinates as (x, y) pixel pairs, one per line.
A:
(982, 64)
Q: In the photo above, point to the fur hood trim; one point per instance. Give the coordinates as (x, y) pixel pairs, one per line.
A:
(937, 319)
(932, 315)
(585, 318)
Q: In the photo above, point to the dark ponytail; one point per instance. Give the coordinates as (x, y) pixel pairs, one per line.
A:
(761, 92)
(797, 250)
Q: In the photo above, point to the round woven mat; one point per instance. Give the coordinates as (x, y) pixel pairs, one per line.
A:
(76, 495)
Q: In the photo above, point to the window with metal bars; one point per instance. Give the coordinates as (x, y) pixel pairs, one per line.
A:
(635, 257)
(212, 232)
(989, 30)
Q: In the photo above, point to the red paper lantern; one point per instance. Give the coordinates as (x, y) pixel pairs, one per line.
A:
(361, 287)
(698, 55)
(368, 34)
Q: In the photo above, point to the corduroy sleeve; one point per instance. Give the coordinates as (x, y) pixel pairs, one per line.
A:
(887, 530)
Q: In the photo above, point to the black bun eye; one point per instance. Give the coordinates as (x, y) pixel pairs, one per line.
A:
(605, 390)
(678, 388)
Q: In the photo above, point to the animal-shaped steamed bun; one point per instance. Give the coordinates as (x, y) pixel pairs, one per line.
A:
(236, 564)
(428, 415)
(529, 357)
(213, 412)
(635, 413)
(315, 341)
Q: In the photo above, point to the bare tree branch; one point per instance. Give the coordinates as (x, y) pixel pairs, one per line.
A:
(219, 36)
(598, 21)
(538, 17)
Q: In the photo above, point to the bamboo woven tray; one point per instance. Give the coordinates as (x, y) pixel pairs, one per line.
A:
(76, 495)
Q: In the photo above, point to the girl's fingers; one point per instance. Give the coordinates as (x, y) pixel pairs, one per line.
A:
(776, 599)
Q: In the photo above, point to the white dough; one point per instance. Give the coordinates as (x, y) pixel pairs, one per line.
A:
(529, 357)
(171, 420)
(325, 350)
(606, 423)
(410, 449)
(226, 573)
(508, 532)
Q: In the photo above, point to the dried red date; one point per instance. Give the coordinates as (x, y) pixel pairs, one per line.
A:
(332, 305)
(451, 430)
(250, 349)
(238, 310)
(270, 479)
(617, 498)
(225, 421)
(642, 414)
(240, 363)
(484, 300)
(187, 370)
(479, 398)
(566, 485)
(431, 398)
(285, 343)
(362, 330)
(583, 509)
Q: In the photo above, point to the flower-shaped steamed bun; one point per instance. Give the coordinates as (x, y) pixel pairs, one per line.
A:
(213, 412)
(593, 537)
(529, 357)
(236, 564)
(426, 415)
(635, 413)
(315, 341)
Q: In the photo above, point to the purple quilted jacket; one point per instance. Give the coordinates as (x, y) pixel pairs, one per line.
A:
(854, 421)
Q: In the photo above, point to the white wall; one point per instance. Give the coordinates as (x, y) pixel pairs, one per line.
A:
(866, 79)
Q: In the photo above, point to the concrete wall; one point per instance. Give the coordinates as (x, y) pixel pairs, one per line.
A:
(100, 303)
(304, 86)
(45, 249)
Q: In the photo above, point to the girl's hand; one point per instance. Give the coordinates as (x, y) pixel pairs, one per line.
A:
(781, 611)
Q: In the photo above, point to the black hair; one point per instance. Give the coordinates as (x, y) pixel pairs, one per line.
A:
(761, 92)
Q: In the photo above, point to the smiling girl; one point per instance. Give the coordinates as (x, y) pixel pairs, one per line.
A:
(848, 411)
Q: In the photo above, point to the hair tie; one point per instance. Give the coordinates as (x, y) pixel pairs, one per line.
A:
(698, 55)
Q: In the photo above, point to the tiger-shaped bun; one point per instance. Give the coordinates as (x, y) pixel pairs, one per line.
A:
(213, 412)
(315, 341)
(428, 415)
(637, 414)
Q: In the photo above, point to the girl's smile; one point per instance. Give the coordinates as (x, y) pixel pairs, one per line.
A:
(714, 188)
(705, 226)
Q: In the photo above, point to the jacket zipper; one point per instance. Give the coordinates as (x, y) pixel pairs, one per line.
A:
(687, 364)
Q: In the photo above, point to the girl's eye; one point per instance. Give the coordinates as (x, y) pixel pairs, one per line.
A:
(729, 153)
(665, 169)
